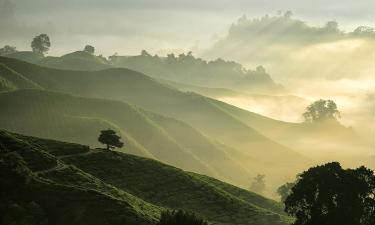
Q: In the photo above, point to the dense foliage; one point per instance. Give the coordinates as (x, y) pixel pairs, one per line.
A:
(111, 139)
(321, 111)
(330, 195)
(41, 44)
(180, 218)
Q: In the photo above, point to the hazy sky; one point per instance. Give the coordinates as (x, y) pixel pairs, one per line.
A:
(127, 26)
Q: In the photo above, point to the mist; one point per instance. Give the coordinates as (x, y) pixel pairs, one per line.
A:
(292, 53)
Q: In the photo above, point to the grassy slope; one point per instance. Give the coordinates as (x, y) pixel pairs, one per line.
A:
(256, 151)
(79, 60)
(11, 80)
(114, 187)
(27, 56)
(65, 117)
(67, 195)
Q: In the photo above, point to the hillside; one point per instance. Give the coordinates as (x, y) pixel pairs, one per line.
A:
(78, 198)
(11, 80)
(116, 188)
(69, 118)
(252, 150)
(79, 60)
(27, 56)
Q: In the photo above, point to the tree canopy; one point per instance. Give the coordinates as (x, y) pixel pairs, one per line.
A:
(285, 190)
(41, 44)
(111, 139)
(321, 110)
(89, 49)
(331, 195)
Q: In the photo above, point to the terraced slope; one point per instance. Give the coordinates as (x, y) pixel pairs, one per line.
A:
(70, 118)
(129, 188)
(248, 148)
(49, 191)
(126, 85)
(11, 80)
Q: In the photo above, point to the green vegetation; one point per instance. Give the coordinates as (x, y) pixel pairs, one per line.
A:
(65, 117)
(65, 198)
(7, 50)
(207, 122)
(80, 60)
(40, 44)
(188, 69)
(321, 111)
(110, 139)
(180, 218)
(89, 49)
(110, 187)
(329, 194)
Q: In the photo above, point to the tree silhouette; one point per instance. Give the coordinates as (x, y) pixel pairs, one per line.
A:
(330, 195)
(7, 50)
(89, 49)
(285, 190)
(321, 110)
(258, 185)
(180, 218)
(111, 139)
(41, 44)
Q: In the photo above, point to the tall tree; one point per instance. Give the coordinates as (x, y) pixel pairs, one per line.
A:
(111, 139)
(321, 110)
(41, 44)
(331, 195)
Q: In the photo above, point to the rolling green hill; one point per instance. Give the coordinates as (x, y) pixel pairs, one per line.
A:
(79, 60)
(73, 184)
(249, 149)
(66, 117)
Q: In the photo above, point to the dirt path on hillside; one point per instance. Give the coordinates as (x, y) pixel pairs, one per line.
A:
(61, 165)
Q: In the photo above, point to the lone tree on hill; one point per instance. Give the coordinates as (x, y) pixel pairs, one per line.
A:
(331, 195)
(321, 110)
(41, 44)
(111, 139)
(89, 49)
(180, 218)
(259, 184)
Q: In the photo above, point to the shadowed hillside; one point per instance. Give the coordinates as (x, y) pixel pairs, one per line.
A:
(123, 185)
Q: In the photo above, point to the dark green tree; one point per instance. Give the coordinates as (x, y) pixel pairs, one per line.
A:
(259, 184)
(285, 190)
(41, 44)
(180, 218)
(89, 49)
(111, 139)
(7, 50)
(331, 195)
(321, 110)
